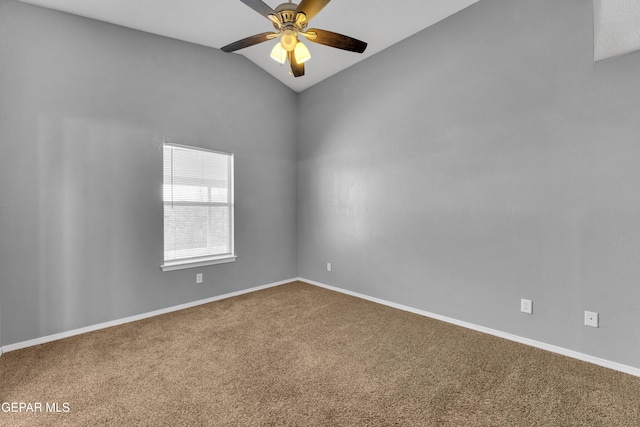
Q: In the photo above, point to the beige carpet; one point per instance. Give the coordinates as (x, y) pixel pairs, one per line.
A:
(301, 355)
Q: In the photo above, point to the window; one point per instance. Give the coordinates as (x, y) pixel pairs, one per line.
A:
(198, 207)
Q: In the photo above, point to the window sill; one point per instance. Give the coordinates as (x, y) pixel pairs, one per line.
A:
(182, 264)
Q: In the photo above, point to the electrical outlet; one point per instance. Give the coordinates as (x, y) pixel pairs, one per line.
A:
(591, 319)
(328, 266)
(199, 278)
(526, 306)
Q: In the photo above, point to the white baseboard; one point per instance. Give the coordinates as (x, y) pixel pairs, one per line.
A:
(55, 337)
(511, 337)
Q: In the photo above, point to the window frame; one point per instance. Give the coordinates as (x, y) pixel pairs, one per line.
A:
(191, 262)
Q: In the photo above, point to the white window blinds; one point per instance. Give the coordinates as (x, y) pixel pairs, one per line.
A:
(198, 205)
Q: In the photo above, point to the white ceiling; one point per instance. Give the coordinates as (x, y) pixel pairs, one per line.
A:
(216, 23)
(616, 30)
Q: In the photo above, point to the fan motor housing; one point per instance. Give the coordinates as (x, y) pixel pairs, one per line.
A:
(288, 15)
(287, 12)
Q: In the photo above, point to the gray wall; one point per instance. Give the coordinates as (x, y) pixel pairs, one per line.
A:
(84, 108)
(483, 160)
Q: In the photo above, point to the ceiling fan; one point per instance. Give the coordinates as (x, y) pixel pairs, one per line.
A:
(290, 21)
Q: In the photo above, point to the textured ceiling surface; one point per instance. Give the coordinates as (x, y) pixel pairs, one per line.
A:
(218, 23)
(616, 27)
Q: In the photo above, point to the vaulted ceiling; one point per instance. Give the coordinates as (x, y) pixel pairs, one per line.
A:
(220, 22)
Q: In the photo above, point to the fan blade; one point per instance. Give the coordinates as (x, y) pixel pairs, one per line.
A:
(249, 41)
(296, 69)
(260, 7)
(336, 40)
(311, 7)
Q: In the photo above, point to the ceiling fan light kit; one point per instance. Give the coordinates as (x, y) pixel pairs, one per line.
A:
(302, 53)
(288, 40)
(290, 21)
(278, 54)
